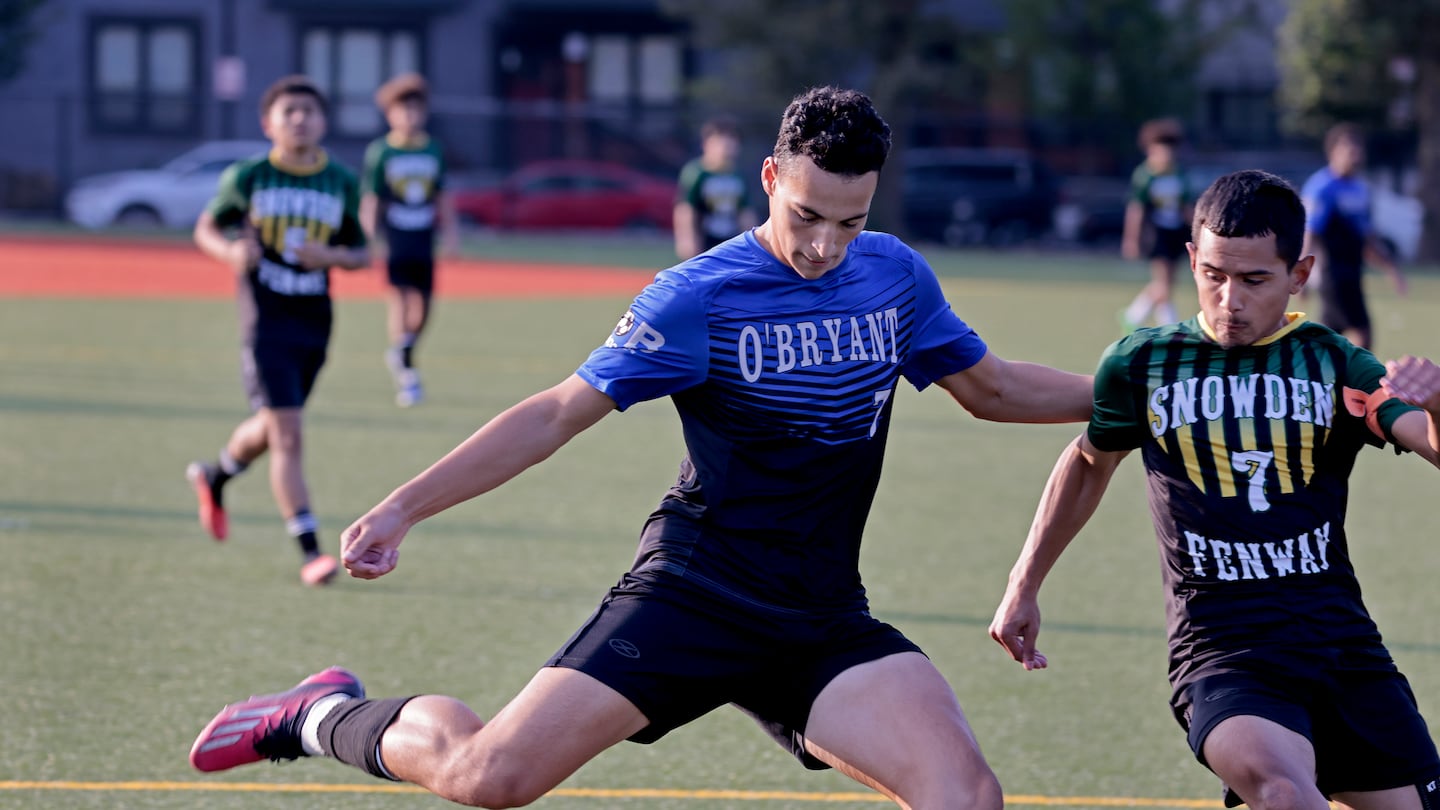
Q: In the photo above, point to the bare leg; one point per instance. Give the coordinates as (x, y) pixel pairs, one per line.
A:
(559, 721)
(287, 476)
(894, 724)
(1268, 765)
(251, 438)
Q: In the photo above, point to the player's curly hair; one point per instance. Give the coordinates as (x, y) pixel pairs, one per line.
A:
(838, 129)
(1251, 203)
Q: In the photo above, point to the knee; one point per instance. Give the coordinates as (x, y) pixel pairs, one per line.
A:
(1283, 793)
(970, 791)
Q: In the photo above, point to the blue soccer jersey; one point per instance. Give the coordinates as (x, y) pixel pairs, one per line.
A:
(784, 387)
(1338, 209)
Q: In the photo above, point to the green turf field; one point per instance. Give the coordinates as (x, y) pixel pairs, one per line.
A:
(125, 628)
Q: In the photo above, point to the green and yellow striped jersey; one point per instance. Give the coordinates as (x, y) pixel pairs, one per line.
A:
(1248, 453)
(285, 207)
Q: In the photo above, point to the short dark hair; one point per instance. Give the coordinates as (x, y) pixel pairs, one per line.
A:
(1343, 132)
(1168, 131)
(296, 84)
(838, 129)
(720, 125)
(1252, 203)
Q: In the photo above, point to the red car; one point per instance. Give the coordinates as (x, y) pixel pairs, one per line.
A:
(571, 194)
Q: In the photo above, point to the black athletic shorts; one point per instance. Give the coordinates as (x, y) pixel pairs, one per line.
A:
(1168, 243)
(417, 274)
(677, 652)
(1342, 298)
(1364, 725)
(280, 375)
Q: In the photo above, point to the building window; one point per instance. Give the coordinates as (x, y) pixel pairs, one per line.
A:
(144, 76)
(624, 68)
(349, 63)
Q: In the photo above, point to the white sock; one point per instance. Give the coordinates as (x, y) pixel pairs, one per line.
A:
(310, 726)
(1139, 309)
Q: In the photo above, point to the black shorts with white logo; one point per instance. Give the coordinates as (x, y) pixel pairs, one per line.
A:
(677, 652)
(280, 375)
(1364, 725)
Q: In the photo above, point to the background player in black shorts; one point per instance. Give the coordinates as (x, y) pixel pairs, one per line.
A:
(280, 222)
(780, 351)
(1157, 221)
(404, 208)
(1249, 419)
(1339, 232)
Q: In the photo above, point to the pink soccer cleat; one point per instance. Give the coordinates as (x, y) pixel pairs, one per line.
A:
(319, 571)
(212, 513)
(267, 726)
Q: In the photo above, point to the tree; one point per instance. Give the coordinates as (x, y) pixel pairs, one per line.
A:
(1338, 60)
(898, 51)
(17, 31)
(1100, 68)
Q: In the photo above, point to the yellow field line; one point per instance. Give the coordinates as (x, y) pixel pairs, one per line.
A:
(591, 793)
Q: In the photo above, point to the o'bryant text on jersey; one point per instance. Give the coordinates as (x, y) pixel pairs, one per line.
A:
(1175, 405)
(857, 338)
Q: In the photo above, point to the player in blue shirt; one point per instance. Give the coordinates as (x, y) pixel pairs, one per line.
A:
(781, 350)
(1339, 233)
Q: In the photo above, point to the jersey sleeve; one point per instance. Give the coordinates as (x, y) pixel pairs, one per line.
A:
(1115, 422)
(1318, 203)
(1363, 373)
(1140, 185)
(943, 343)
(659, 347)
(231, 202)
(350, 233)
(372, 175)
(687, 189)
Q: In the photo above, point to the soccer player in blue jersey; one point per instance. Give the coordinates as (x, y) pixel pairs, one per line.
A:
(1339, 232)
(781, 350)
(1248, 420)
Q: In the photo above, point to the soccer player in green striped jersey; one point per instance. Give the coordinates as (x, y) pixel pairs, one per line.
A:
(280, 221)
(1248, 419)
(405, 209)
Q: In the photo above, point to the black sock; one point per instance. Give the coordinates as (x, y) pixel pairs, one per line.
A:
(303, 527)
(351, 732)
(407, 355)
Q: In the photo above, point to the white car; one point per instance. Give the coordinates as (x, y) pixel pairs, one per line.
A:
(171, 196)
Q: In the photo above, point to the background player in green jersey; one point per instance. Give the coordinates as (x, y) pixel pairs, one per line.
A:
(280, 222)
(1157, 221)
(404, 208)
(1249, 419)
(712, 201)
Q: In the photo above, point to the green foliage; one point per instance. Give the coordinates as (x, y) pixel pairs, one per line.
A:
(16, 33)
(1105, 66)
(773, 49)
(1334, 58)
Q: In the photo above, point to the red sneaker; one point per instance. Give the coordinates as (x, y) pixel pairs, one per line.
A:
(267, 726)
(319, 571)
(212, 514)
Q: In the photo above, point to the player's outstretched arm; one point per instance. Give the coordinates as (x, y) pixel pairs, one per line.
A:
(1075, 488)
(1416, 380)
(522, 436)
(1011, 391)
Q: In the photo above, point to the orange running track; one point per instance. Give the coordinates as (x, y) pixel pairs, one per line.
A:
(51, 268)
